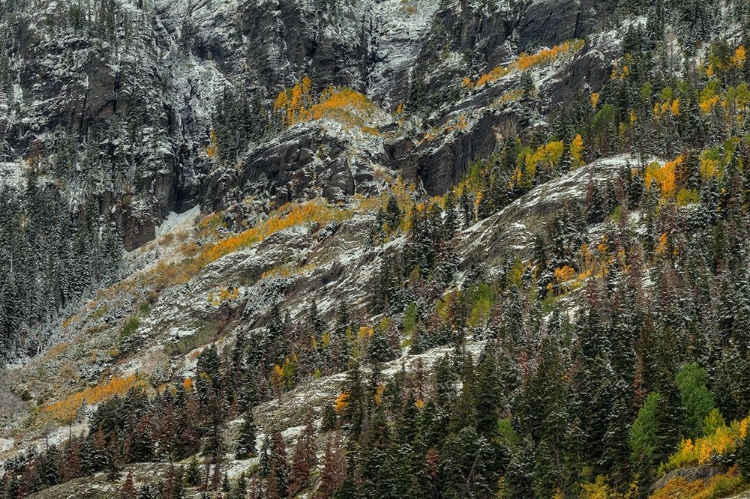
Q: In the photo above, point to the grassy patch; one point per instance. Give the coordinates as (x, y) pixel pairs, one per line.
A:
(129, 328)
(189, 343)
(100, 312)
(144, 308)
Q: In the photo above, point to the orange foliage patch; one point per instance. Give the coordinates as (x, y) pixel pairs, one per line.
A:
(664, 176)
(57, 349)
(717, 486)
(68, 321)
(285, 217)
(526, 61)
(211, 149)
(564, 274)
(65, 410)
(342, 402)
(296, 105)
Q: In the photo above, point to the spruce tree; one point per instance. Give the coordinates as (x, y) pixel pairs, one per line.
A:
(247, 437)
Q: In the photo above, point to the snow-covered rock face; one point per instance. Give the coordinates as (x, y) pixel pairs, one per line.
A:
(135, 88)
(131, 105)
(512, 228)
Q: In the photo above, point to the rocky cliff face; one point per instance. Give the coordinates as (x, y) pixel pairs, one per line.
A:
(132, 88)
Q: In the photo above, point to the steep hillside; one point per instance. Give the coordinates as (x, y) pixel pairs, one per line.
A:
(374, 248)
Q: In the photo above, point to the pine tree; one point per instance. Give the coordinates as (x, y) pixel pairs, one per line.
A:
(128, 490)
(213, 443)
(247, 437)
(450, 221)
(314, 322)
(393, 213)
(140, 445)
(113, 469)
(695, 397)
(333, 473)
(240, 490)
(489, 396)
(193, 474)
(173, 484)
(329, 418)
(378, 349)
(144, 492)
(743, 457)
(303, 458)
(464, 407)
(277, 481)
(466, 468)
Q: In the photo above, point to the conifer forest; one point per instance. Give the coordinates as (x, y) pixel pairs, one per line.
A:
(374, 249)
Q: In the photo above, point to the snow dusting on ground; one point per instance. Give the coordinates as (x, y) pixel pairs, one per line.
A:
(178, 221)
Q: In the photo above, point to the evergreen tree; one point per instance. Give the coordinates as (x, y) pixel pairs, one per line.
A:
(247, 436)
(128, 490)
(466, 469)
(193, 473)
(303, 459)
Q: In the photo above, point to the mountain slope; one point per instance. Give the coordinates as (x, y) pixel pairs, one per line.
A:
(337, 248)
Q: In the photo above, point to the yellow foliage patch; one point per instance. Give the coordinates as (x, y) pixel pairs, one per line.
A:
(290, 215)
(287, 270)
(225, 295)
(211, 149)
(717, 486)
(722, 441)
(285, 217)
(594, 99)
(740, 55)
(671, 106)
(378, 397)
(576, 151)
(709, 166)
(707, 105)
(512, 95)
(599, 489)
(675, 107)
(546, 156)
